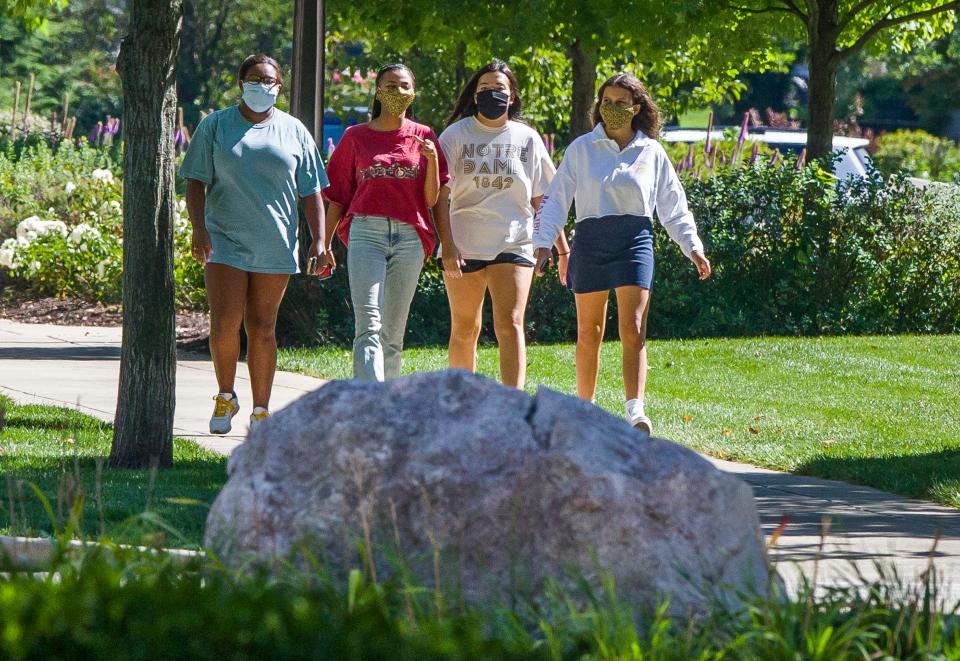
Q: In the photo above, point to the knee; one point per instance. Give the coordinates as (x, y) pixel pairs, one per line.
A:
(223, 326)
(589, 335)
(509, 327)
(633, 335)
(260, 327)
(464, 330)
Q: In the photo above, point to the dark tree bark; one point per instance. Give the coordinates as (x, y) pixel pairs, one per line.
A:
(823, 28)
(583, 59)
(143, 427)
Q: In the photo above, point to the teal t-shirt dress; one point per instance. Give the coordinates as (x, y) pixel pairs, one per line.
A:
(254, 175)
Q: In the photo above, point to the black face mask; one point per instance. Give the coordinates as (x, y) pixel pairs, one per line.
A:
(492, 103)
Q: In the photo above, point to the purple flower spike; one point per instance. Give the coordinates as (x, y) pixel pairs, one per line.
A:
(707, 146)
(755, 153)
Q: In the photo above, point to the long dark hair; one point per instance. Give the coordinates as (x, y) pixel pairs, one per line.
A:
(467, 107)
(648, 119)
(254, 60)
(396, 66)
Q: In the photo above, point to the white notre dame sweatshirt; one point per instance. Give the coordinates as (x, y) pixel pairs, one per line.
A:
(639, 180)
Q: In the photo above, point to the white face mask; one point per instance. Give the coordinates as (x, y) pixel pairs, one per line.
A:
(260, 97)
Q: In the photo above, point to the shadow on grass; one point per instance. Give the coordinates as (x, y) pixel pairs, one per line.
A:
(129, 506)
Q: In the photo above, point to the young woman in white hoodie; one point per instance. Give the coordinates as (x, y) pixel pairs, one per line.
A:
(620, 176)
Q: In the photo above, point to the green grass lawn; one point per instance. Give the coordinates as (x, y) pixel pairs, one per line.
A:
(694, 119)
(880, 411)
(57, 449)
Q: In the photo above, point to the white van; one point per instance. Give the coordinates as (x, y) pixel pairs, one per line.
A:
(853, 151)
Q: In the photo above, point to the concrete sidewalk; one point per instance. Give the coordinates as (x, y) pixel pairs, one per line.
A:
(79, 367)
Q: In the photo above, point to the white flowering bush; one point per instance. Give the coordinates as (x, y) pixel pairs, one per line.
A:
(74, 246)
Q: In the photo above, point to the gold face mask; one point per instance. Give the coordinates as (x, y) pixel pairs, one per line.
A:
(615, 116)
(395, 102)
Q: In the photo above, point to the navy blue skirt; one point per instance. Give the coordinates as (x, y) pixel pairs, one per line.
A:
(610, 252)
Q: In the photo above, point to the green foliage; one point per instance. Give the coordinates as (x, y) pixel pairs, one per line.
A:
(33, 13)
(682, 63)
(74, 55)
(918, 154)
(123, 604)
(797, 253)
(61, 224)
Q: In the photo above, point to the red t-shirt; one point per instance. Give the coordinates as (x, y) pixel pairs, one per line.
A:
(381, 173)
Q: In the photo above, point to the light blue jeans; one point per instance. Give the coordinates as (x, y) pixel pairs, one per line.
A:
(384, 260)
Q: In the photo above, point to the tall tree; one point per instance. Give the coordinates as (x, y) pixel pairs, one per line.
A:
(656, 40)
(143, 427)
(837, 29)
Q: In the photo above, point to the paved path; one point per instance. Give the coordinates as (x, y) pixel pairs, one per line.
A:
(79, 367)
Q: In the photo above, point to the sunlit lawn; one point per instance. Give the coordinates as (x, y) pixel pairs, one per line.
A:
(58, 449)
(881, 411)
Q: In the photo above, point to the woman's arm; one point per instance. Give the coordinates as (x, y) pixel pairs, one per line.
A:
(675, 215)
(201, 247)
(313, 211)
(334, 214)
(431, 183)
(563, 248)
(552, 213)
(449, 253)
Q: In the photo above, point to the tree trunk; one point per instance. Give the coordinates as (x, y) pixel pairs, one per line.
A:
(583, 59)
(823, 32)
(143, 427)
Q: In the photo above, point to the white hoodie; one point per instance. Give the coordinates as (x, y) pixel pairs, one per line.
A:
(609, 182)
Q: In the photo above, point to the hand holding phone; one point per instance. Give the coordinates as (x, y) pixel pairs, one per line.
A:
(325, 272)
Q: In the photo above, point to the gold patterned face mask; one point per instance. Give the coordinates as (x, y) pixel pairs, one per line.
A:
(615, 116)
(395, 102)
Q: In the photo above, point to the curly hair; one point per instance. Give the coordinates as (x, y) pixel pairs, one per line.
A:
(648, 119)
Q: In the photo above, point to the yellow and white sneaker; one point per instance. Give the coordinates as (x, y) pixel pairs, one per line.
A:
(225, 407)
(259, 415)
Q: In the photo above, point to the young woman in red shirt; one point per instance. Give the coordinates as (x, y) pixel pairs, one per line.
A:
(385, 176)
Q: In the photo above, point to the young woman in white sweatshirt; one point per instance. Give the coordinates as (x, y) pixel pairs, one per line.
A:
(620, 176)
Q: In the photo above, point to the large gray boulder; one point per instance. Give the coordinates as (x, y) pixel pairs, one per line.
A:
(494, 490)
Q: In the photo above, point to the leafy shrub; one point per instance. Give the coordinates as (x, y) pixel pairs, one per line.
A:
(78, 191)
(795, 252)
(918, 154)
(126, 605)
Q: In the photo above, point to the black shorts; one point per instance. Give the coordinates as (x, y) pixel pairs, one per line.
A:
(474, 265)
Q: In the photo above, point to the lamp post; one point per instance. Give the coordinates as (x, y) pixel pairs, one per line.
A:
(306, 96)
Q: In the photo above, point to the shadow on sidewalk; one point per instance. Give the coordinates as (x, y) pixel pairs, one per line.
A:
(854, 510)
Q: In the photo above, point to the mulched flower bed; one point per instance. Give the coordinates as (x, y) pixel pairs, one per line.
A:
(193, 328)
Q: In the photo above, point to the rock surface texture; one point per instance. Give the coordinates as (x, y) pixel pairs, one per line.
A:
(495, 491)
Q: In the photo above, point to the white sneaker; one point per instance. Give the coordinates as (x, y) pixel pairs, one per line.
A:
(636, 416)
(223, 411)
(259, 415)
(642, 423)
